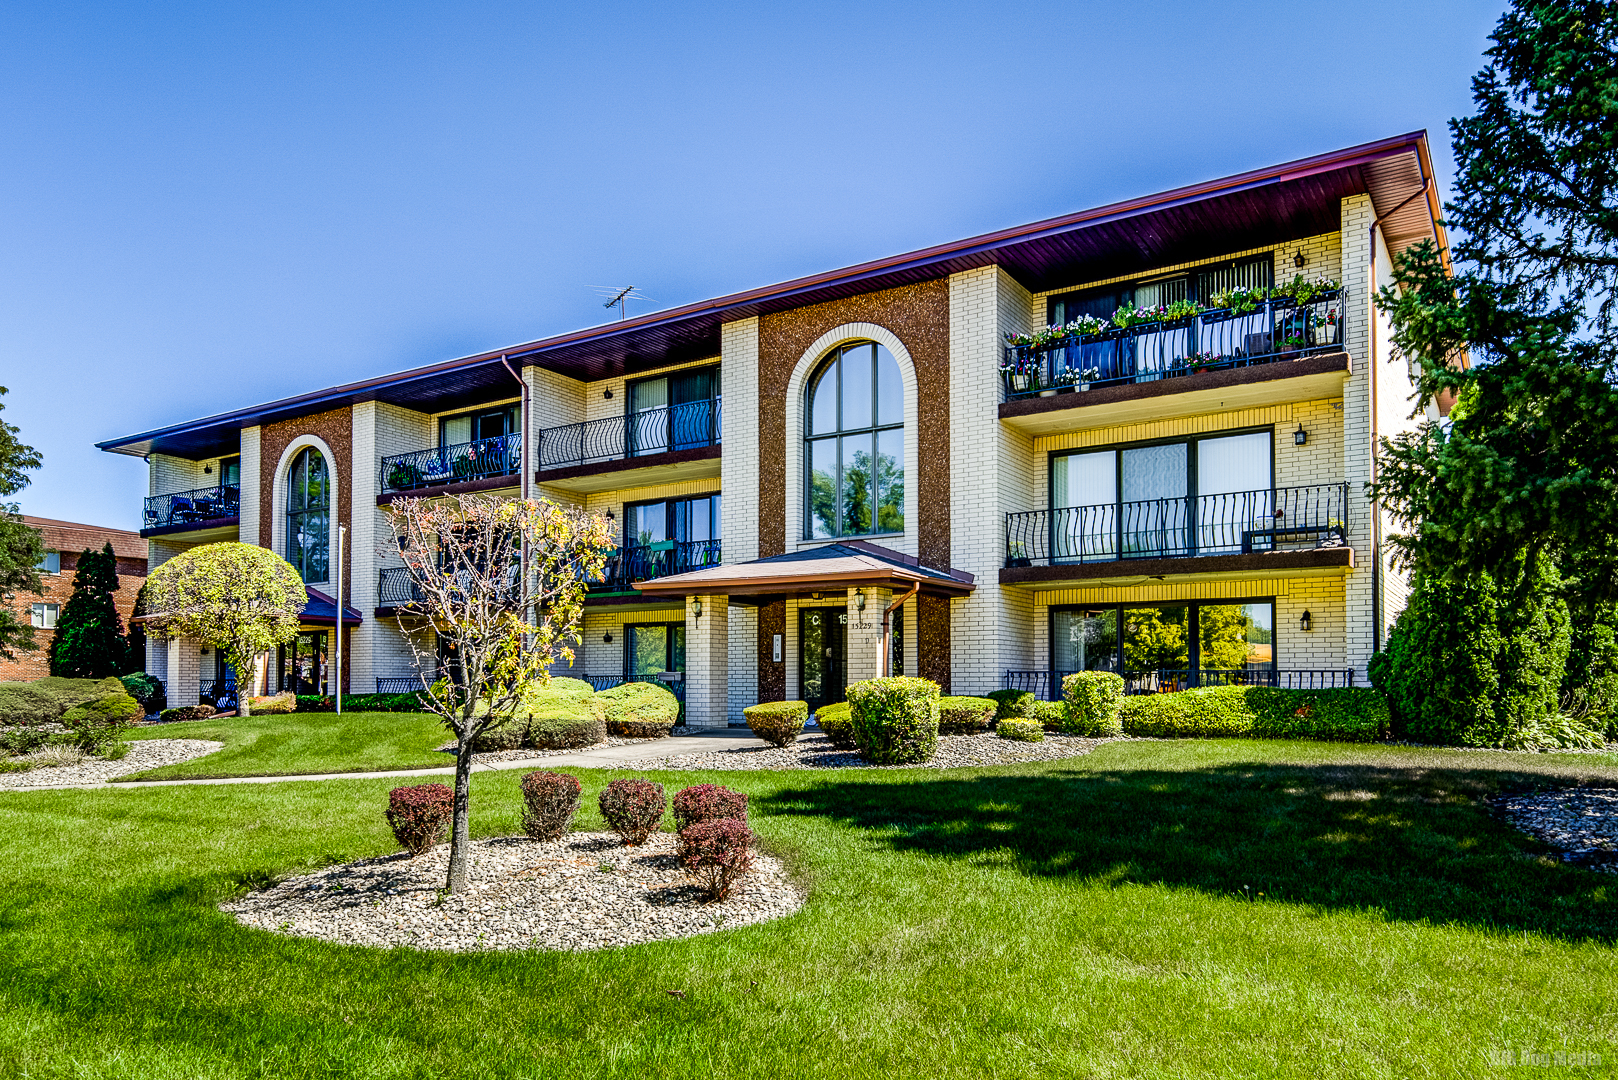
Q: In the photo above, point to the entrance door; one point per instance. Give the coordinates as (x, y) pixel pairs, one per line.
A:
(822, 655)
(303, 664)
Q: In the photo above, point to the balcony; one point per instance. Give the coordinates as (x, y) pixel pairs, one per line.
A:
(395, 589)
(674, 442)
(1267, 529)
(641, 562)
(1047, 685)
(1227, 356)
(199, 509)
(487, 463)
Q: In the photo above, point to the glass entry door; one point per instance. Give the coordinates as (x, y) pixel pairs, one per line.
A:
(303, 664)
(822, 655)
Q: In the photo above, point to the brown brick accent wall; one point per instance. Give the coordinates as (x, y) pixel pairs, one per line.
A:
(772, 677)
(918, 315)
(336, 428)
(932, 639)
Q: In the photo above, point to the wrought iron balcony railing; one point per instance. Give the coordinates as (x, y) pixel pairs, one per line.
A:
(641, 562)
(1235, 522)
(456, 464)
(192, 507)
(651, 431)
(1047, 685)
(397, 684)
(675, 686)
(219, 692)
(396, 589)
(1276, 329)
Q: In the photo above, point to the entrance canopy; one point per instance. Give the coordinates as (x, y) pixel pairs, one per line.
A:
(851, 564)
(321, 610)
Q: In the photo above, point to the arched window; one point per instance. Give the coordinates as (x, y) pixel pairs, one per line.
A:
(854, 440)
(308, 515)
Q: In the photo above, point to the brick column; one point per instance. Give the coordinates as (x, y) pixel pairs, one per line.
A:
(184, 672)
(707, 661)
(1357, 444)
(864, 644)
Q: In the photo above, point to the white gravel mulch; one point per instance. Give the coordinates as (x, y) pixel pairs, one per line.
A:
(584, 891)
(483, 757)
(144, 754)
(814, 750)
(1582, 822)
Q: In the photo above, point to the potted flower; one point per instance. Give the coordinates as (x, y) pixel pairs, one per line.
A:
(1017, 555)
(1087, 376)
(1336, 534)
(1326, 328)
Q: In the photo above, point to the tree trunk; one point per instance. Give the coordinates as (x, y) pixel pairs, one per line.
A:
(244, 690)
(459, 862)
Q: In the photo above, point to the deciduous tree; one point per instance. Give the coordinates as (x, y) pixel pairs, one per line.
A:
(21, 546)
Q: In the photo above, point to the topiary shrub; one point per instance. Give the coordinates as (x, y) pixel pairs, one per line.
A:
(146, 689)
(1019, 730)
(964, 715)
(549, 802)
(419, 815)
(1018, 703)
(567, 729)
(777, 722)
(187, 712)
(507, 734)
(633, 809)
(895, 719)
(837, 721)
(96, 724)
(1094, 700)
(1050, 715)
(708, 802)
(275, 705)
(639, 710)
(717, 853)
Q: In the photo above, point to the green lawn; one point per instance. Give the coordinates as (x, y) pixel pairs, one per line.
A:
(1196, 909)
(304, 743)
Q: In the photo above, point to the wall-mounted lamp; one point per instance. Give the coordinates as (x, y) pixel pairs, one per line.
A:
(607, 637)
(607, 394)
(696, 607)
(208, 469)
(1306, 622)
(1300, 436)
(814, 596)
(859, 601)
(1299, 261)
(610, 516)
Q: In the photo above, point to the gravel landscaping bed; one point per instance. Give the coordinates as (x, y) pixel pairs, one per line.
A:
(482, 757)
(1582, 822)
(584, 891)
(815, 751)
(143, 755)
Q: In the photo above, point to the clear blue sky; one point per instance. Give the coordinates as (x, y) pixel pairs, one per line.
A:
(208, 205)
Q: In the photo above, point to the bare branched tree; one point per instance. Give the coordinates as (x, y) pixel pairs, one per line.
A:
(465, 556)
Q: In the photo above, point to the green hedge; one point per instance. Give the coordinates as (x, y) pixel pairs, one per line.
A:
(43, 701)
(1343, 715)
(1017, 703)
(1094, 700)
(895, 719)
(964, 715)
(777, 722)
(637, 710)
(837, 721)
(1050, 715)
(1020, 730)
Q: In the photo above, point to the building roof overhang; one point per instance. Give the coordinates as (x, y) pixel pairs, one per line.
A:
(851, 564)
(1269, 206)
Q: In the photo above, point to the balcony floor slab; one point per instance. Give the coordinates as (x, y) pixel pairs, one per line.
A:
(699, 463)
(1124, 573)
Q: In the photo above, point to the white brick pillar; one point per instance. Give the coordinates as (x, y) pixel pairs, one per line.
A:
(864, 645)
(707, 661)
(184, 672)
(1358, 447)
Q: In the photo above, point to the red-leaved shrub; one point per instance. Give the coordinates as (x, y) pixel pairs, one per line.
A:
(549, 802)
(708, 802)
(717, 853)
(633, 808)
(419, 815)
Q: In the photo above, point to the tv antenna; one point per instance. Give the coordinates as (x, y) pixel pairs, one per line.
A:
(620, 298)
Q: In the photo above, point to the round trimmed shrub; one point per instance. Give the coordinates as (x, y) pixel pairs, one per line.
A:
(708, 802)
(1019, 730)
(638, 710)
(549, 802)
(1094, 701)
(1050, 715)
(837, 721)
(419, 815)
(895, 719)
(1011, 703)
(633, 809)
(777, 722)
(188, 712)
(717, 853)
(567, 727)
(964, 715)
(147, 690)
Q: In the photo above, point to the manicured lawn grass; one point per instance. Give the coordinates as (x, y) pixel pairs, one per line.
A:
(304, 743)
(1197, 909)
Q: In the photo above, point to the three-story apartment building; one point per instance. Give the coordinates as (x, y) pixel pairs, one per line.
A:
(1135, 438)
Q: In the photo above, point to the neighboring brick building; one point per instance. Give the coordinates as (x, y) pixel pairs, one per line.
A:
(1134, 438)
(66, 540)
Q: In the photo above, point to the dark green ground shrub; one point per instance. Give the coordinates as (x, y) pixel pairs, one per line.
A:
(964, 715)
(419, 815)
(1018, 703)
(24, 738)
(567, 729)
(188, 712)
(777, 722)
(1050, 715)
(549, 802)
(146, 689)
(1019, 730)
(895, 719)
(639, 710)
(837, 721)
(1093, 700)
(633, 809)
(43, 701)
(318, 703)
(708, 802)
(97, 724)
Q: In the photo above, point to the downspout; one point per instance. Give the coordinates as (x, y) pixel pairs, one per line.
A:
(884, 661)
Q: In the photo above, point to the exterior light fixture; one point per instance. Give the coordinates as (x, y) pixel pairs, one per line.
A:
(696, 607)
(1299, 261)
(1306, 622)
(1300, 436)
(607, 637)
(859, 600)
(610, 516)
(607, 394)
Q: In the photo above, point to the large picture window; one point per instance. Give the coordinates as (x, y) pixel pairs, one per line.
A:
(854, 445)
(309, 515)
(1168, 646)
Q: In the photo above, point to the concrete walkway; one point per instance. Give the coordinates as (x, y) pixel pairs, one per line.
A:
(607, 757)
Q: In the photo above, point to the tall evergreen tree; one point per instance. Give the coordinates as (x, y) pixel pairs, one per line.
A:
(89, 632)
(21, 546)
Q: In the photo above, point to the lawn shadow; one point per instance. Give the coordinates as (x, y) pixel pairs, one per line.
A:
(1417, 843)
